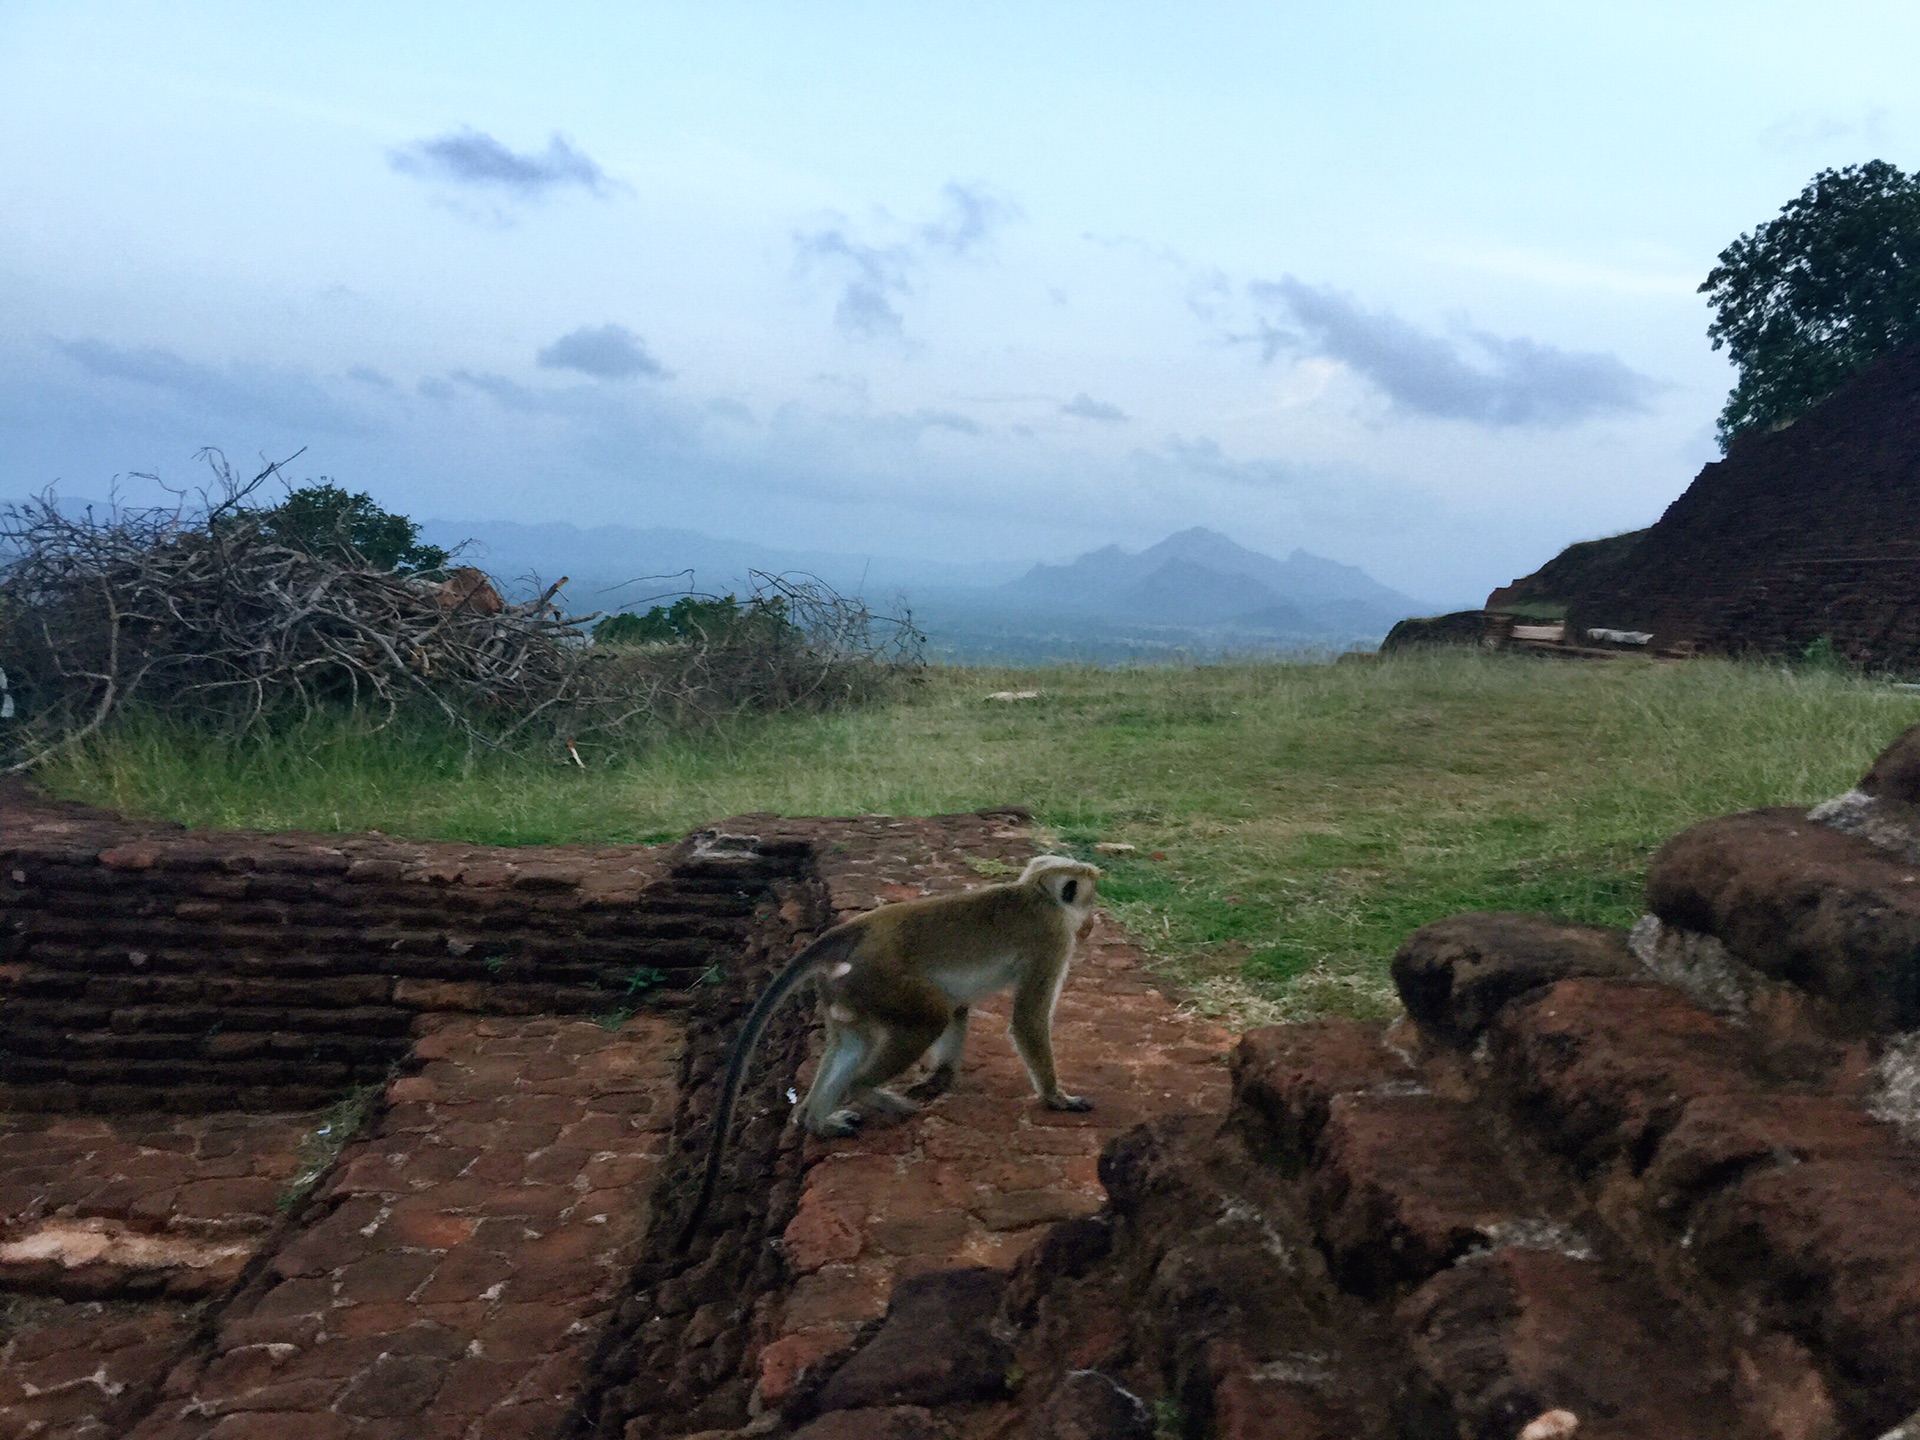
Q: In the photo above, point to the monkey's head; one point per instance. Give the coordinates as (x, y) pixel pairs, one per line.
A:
(1068, 882)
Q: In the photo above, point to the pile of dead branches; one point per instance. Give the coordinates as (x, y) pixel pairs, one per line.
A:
(206, 614)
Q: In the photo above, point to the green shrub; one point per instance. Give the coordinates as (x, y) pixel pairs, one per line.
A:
(724, 620)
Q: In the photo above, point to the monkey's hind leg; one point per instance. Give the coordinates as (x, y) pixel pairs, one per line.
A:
(906, 1038)
(840, 1061)
(943, 1060)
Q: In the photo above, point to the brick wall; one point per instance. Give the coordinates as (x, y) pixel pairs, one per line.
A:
(143, 966)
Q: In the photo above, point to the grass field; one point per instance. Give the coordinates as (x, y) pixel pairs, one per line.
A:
(1309, 815)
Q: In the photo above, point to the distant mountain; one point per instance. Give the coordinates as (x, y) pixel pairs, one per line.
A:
(616, 566)
(1196, 594)
(1201, 578)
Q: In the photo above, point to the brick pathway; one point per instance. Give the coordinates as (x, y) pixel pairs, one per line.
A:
(462, 1255)
(978, 1176)
(96, 1206)
(75, 1371)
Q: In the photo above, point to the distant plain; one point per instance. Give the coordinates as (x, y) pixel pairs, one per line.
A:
(1309, 815)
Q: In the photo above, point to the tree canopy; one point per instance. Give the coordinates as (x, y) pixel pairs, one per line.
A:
(711, 620)
(1810, 296)
(323, 519)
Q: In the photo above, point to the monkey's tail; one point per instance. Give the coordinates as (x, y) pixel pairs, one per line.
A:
(835, 942)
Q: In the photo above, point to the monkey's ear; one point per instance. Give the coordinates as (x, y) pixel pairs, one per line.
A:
(1068, 891)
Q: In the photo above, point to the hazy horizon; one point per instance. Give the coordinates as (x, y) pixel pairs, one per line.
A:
(1410, 289)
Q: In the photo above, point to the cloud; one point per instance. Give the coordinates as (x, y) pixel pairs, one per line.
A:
(510, 393)
(606, 352)
(1084, 407)
(1484, 379)
(945, 420)
(1811, 129)
(875, 275)
(973, 213)
(880, 274)
(474, 158)
(294, 397)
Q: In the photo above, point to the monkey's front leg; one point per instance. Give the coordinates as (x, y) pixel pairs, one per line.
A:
(1033, 1004)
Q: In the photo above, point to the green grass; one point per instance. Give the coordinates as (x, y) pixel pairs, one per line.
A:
(1310, 815)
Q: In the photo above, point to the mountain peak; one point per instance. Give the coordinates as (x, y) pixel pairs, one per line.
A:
(1199, 571)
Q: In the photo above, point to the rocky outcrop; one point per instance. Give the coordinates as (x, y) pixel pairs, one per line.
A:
(1461, 627)
(1563, 1186)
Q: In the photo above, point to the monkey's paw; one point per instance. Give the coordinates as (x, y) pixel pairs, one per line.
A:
(937, 1083)
(838, 1125)
(888, 1102)
(1064, 1101)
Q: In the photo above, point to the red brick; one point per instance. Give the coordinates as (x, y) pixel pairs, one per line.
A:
(524, 1331)
(386, 1275)
(270, 1425)
(783, 1362)
(821, 1233)
(477, 1383)
(428, 1229)
(215, 1198)
(536, 1420)
(465, 1273)
(308, 1295)
(837, 1293)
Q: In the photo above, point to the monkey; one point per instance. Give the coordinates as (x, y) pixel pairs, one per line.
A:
(896, 984)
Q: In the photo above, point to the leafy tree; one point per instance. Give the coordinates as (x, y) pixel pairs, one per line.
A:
(1815, 293)
(324, 519)
(722, 621)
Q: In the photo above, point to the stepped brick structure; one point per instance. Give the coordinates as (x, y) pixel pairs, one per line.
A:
(352, 1137)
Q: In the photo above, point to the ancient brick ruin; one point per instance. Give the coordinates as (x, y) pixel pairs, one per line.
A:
(1801, 534)
(1661, 1182)
(519, 1050)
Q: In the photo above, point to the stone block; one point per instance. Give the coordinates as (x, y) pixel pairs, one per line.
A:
(1498, 1341)
(1803, 904)
(1285, 1078)
(1454, 974)
(1404, 1185)
(935, 1346)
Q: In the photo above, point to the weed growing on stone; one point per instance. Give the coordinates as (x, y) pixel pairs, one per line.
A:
(322, 1145)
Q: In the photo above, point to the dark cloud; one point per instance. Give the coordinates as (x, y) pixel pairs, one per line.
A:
(474, 158)
(1485, 379)
(1084, 407)
(875, 276)
(973, 213)
(606, 352)
(946, 420)
(510, 393)
(295, 397)
(147, 364)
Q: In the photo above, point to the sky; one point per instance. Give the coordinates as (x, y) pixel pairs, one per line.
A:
(1409, 286)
